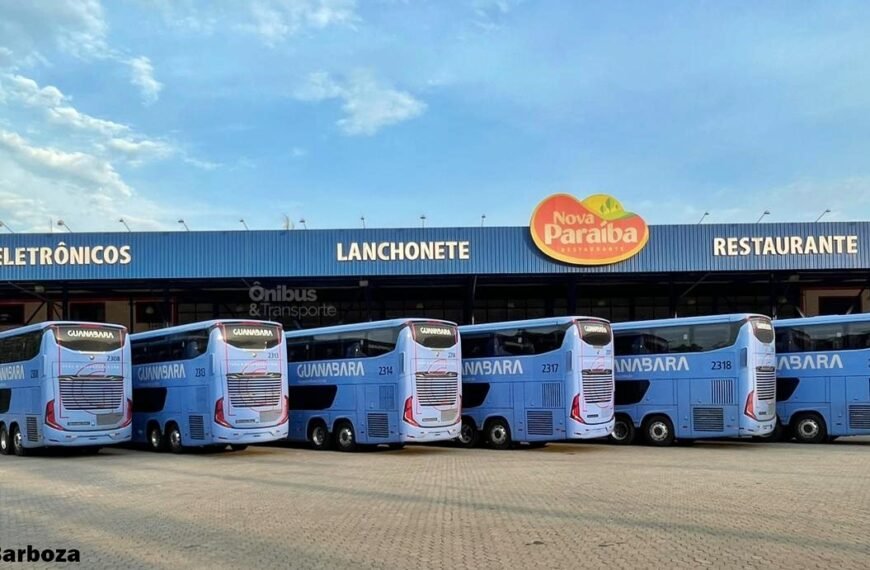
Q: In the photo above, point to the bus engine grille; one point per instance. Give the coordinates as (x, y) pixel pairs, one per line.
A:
(437, 389)
(765, 383)
(598, 386)
(91, 393)
(254, 391)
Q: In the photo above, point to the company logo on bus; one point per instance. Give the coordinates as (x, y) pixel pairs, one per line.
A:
(269, 333)
(90, 333)
(436, 331)
(595, 231)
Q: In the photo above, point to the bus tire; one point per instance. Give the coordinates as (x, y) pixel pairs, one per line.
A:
(173, 438)
(318, 436)
(658, 431)
(498, 434)
(469, 436)
(5, 444)
(809, 427)
(90, 450)
(345, 437)
(156, 442)
(623, 431)
(238, 447)
(777, 435)
(18, 442)
(396, 446)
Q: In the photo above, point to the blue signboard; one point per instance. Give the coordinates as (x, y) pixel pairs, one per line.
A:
(420, 251)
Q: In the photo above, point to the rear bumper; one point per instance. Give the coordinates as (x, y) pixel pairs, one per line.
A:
(250, 435)
(411, 434)
(757, 428)
(56, 437)
(577, 430)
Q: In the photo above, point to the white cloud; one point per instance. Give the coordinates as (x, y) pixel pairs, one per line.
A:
(70, 117)
(138, 151)
(75, 27)
(28, 92)
(143, 78)
(86, 171)
(368, 105)
(276, 20)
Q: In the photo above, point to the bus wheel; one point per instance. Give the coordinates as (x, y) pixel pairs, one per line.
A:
(623, 431)
(18, 442)
(778, 434)
(809, 428)
(468, 434)
(345, 438)
(155, 438)
(238, 447)
(498, 434)
(659, 431)
(318, 436)
(90, 450)
(173, 438)
(396, 446)
(4, 440)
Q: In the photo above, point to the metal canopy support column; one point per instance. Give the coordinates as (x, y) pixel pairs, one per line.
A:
(468, 305)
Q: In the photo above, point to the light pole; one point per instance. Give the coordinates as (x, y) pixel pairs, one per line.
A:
(3, 225)
(482, 219)
(765, 213)
(363, 220)
(125, 224)
(302, 221)
(827, 211)
(242, 221)
(182, 222)
(62, 224)
(702, 217)
(423, 221)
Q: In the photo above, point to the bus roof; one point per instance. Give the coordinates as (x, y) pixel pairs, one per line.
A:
(544, 322)
(705, 320)
(198, 326)
(822, 320)
(362, 326)
(44, 325)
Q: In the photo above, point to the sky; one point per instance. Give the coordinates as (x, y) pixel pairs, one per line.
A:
(334, 110)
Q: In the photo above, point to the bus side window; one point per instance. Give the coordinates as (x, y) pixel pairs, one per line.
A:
(5, 399)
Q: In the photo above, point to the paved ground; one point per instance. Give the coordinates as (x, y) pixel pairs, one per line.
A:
(586, 506)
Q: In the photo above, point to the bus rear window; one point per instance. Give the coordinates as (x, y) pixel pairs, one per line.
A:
(595, 333)
(434, 335)
(762, 329)
(252, 337)
(89, 339)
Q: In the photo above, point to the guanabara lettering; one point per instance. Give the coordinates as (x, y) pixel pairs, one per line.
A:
(437, 331)
(254, 332)
(90, 333)
(809, 362)
(652, 364)
(491, 367)
(13, 372)
(325, 369)
(161, 372)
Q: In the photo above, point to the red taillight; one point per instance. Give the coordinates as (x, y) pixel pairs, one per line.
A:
(49, 416)
(128, 414)
(408, 416)
(749, 409)
(285, 411)
(219, 413)
(575, 409)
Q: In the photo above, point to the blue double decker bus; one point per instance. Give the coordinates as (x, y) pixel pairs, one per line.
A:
(823, 377)
(695, 378)
(213, 383)
(536, 381)
(385, 382)
(64, 384)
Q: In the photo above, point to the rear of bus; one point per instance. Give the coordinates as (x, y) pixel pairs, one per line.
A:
(88, 391)
(432, 382)
(590, 379)
(251, 403)
(758, 378)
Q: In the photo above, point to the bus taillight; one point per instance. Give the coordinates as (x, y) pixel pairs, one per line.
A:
(749, 409)
(49, 416)
(128, 414)
(408, 416)
(285, 411)
(219, 413)
(575, 410)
